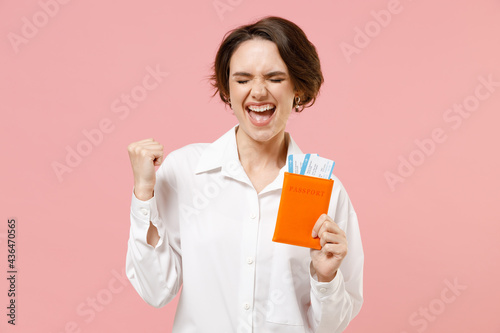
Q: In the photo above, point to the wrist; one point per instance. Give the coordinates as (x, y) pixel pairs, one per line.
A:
(143, 193)
(324, 278)
(321, 277)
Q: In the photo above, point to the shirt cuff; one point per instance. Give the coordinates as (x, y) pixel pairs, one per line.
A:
(323, 290)
(145, 211)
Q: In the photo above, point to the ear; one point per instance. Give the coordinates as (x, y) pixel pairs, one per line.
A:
(297, 92)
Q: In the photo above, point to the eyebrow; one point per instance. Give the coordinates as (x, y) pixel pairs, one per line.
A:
(274, 73)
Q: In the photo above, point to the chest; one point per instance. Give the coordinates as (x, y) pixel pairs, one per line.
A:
(261, 179)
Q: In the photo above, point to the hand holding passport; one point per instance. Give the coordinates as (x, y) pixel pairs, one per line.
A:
(306, 193)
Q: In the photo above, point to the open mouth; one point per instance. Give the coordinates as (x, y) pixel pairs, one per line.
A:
(261, 115)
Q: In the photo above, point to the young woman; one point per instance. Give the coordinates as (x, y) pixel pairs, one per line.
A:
(205, 220)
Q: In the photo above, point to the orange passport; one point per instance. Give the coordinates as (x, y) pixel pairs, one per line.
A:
(303, 200)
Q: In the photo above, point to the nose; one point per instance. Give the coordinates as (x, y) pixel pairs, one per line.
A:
(259, 89)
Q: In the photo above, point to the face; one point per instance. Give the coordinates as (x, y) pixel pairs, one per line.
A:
(260, 89)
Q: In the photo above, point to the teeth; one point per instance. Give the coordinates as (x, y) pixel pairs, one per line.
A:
(261, 108)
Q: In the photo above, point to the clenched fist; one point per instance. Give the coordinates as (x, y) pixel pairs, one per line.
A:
(144, 156)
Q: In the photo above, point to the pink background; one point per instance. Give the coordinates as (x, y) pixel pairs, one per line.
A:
(438, 226)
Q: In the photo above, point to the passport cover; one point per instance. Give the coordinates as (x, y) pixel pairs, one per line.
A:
(303, 200)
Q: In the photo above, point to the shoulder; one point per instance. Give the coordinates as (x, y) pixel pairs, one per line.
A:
(188, 154)
(182, 161)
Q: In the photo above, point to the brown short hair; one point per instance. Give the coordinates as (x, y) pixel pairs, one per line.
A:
(298, 53)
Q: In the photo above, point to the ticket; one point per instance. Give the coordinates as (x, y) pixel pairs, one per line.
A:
(296, 162)
(290, 163)
(318, 167)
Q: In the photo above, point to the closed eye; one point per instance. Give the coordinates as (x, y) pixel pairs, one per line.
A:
(272, 80)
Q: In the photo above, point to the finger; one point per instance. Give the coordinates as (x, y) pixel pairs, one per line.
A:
(145, 140)
(136, 143)
(150, 148)
(330, 226)
(339, 250)
(155, 155)
(153, 146)
(151, 143)
(158, 160)
(137, 148)
(325, 227)
(317, 226)
(328, 237)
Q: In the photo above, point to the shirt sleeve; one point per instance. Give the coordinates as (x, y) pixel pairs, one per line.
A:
(334, 304)
(155, 272)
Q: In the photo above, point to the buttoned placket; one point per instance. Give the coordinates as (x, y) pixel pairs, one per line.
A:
(248, 261)
(250, 228)
(249, 251)
(232, 168)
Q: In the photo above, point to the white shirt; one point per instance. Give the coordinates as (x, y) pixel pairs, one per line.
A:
(216, 241)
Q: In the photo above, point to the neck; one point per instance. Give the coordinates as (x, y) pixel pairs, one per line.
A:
(258, 156)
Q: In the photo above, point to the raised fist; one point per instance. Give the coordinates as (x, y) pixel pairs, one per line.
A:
(144, 156)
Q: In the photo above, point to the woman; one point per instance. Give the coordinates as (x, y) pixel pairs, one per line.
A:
(206, 218)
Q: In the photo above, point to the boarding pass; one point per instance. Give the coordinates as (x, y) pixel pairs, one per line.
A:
(310, 165)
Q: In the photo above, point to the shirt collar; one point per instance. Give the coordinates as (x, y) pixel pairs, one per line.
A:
(223, 153)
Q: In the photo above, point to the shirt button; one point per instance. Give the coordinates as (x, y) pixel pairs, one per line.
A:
(323, 290)
(144, 211)
(249, 260)
(253, 215)
(246, 306)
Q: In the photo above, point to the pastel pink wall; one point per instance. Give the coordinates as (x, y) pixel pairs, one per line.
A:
(433, 223)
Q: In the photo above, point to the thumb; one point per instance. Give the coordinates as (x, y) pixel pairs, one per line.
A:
(158, 160)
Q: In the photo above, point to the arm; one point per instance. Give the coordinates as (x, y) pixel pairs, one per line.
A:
(144, 195)
(335, 303)
(152, 237)
(153, 263)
